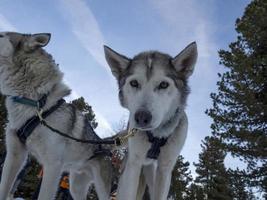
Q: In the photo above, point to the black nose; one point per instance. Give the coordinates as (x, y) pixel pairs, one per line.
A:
(142, 118)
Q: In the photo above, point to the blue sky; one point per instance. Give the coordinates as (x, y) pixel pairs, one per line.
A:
(80, 29)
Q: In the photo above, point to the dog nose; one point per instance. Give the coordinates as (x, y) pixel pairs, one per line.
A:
(143, 118)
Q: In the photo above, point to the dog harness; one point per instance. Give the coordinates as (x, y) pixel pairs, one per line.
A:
(28, 127)
(156, 143)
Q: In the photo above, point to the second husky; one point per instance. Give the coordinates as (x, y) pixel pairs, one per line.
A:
(153, 87)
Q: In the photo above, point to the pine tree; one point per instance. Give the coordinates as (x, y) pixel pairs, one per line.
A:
(239, 109)
(86, 109)
(211, 171)
(30, 180)
(195, 192)
(238, 184)
(181, 178)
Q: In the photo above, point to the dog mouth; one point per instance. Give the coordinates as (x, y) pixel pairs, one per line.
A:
(147, 128)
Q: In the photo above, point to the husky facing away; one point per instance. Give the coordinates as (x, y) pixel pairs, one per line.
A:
(153, 87)
(28, 70)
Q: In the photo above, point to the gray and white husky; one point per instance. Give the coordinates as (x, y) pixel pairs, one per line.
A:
(153, 87)
(27, 70)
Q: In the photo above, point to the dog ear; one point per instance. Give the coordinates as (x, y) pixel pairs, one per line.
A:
(39, 40)
(185, 61)
(117, 62)
(15, 38)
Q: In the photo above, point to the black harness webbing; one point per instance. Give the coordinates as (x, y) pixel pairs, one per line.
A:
(156, 143)
(25, 131)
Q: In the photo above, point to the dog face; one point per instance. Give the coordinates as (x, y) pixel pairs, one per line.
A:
(10, 42)
(152, 85)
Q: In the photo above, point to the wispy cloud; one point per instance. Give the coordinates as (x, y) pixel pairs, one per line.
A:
(5, 25)
(188, 22)
(85, 28)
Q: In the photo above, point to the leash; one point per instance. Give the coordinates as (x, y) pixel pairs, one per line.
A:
(118, 141)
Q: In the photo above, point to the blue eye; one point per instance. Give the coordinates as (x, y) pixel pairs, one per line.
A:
(163, 85)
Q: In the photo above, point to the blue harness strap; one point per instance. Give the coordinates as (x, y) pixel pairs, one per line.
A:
(26, 130)
(29, 102)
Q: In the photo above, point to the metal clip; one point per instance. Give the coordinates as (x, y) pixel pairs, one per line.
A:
(124, 139)
(39, 114)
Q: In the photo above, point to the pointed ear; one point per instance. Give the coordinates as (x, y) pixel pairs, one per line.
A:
(15, 38)
(39, 40)
(117, 62)
(185, 61)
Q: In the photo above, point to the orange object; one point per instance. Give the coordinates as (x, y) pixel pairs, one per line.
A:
(64, 183)
(40, 175)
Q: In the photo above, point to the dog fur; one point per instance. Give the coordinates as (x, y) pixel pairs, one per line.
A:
(153, 87)
(26, 69)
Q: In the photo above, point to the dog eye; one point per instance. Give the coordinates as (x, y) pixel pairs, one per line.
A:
(134, 83)
(163, 85)
(1, 36)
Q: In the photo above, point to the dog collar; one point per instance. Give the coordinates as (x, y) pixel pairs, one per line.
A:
(39, 104)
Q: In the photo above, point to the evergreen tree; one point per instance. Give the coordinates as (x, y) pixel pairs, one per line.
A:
(29, 180)
(181, 178)
(87, 110)
(195, 192)
(211, 171)
(239, 186)
(239, 109)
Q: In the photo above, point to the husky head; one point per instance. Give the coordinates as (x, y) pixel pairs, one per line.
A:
(25, 67)
(11, 42)
(152, 85)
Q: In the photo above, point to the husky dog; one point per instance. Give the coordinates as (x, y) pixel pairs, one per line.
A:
(27, 70)
(153, 87)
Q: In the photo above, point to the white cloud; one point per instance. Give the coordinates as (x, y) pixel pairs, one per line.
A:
(85, 28)
(5, 25)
